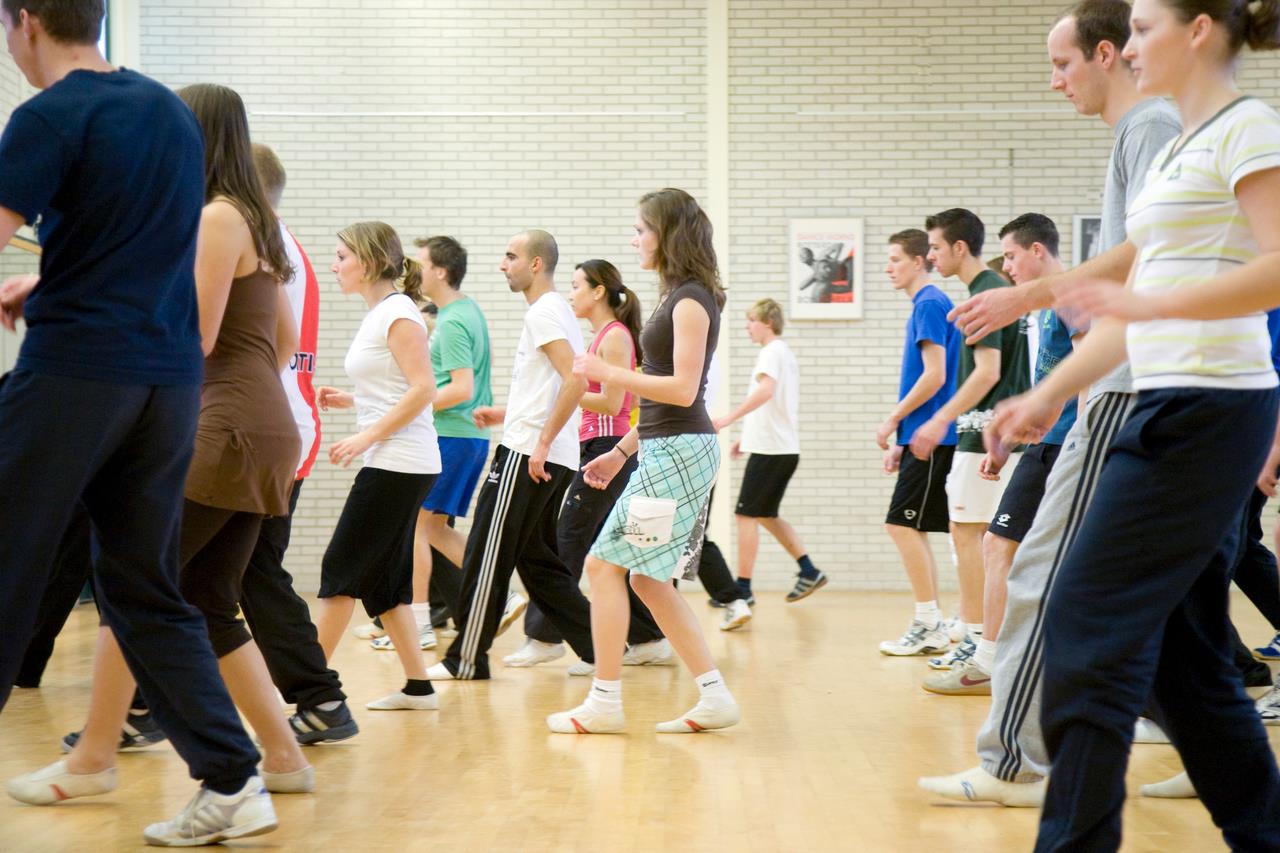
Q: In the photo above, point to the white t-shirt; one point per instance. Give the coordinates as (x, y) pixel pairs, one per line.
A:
(535, 382)
(774, 428)
(379, 385)
(303, 292)
(1189, 228)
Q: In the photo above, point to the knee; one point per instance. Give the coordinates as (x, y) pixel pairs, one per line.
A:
(647, 588)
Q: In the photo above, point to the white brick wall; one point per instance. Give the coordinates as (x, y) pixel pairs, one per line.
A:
(482, 177)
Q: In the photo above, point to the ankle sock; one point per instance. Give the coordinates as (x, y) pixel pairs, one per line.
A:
(985, 656)
(421, 614)
(418, 687)
(744, 584)
(929, 613)
(807, 568)
(712, 690)
(604, 697)
(974, 630)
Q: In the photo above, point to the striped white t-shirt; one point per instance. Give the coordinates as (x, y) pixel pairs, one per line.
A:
(1188, 228)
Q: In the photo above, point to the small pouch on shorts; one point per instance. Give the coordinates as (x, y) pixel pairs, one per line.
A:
(649, 521)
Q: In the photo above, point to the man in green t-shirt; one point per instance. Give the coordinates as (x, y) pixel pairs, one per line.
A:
(991, 370)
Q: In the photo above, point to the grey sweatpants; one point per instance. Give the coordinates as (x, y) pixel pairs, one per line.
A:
(1010, 743)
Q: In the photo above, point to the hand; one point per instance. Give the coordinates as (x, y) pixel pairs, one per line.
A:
(885, 431)
(600, 471)
(927, 437)
(1024, 419)
(538, 464)
(1267, 479)
(331, 398)
(991, 465)
(893, 459)
(13, 295)
(591, 367)
(343, 452)
(989, 311)
(721, 423)
(486, 416)
(735, 450)
(1090, 299)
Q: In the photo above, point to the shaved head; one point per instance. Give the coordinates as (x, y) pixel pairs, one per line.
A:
(540, 244)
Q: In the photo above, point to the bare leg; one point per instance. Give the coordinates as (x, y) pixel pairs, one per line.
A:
(917, 559)
(421, 557)
(245, 673)
(676, 620)
(332, 617)
(748, 545)
(445, 539)
(998, 555)
(109, 699)
(968, 541)
(403, 631)
(786, 536)
(610, 616)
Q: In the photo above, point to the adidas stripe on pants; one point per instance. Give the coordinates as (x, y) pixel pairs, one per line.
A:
(515, 528)
(1011, 743)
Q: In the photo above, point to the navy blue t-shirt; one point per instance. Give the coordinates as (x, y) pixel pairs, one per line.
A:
(1055, 345)
(110, 168)
(928, 322)
(1273, 326)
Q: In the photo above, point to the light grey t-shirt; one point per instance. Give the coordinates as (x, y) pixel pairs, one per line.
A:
(1140, 134)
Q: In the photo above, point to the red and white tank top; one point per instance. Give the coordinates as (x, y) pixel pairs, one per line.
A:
(304, 297)
(594, 424)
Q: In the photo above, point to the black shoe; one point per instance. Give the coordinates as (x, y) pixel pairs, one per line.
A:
(750, 599)
(439, 616)
(806, 587)
(1257, 676)
(313, 725)
(140, 731)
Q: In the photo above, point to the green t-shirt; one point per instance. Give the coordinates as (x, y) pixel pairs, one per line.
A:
(461, 340)
(1015, 370)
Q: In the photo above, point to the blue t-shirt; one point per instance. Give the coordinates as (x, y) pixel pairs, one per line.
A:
(1055, 345)
(109, 166)
(1273, 327)
(928, 322)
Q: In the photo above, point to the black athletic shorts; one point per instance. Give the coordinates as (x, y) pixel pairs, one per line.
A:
(1025, 491)
(763, 484)
(920, 495)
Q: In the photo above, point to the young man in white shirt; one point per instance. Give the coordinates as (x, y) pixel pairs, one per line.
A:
(771, 435)
(515, 515)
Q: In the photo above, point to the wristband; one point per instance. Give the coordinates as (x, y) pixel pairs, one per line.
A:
(625, 454)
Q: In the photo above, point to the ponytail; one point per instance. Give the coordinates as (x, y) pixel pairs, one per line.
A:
(412, 282)
(1252, 22)
(1262, 25)
(622, 300)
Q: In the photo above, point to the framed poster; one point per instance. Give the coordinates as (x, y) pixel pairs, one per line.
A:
(1087, 240)
(826, 269)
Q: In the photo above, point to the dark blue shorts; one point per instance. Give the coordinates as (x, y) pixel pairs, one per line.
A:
(462, 461)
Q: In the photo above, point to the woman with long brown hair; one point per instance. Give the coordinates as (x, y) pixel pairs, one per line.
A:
(655, 529)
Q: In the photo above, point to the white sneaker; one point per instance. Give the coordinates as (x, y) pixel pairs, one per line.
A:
(514, 609)
(958, 654)
(399, 701)
(1176, 788)
(702, 718)
(439, 672)
(295, 782)
(976, 785)
(54, 783)
(919, 639)
(210, 818)
(1269, 706)
(534, 652)
(426, 640)
(656, 653)
(369, 631)
(584, 721)
(955, 628)
(580, 668)
(1148, 731)
(736, 614)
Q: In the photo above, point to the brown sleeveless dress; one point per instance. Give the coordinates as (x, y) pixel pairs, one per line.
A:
(247, 443)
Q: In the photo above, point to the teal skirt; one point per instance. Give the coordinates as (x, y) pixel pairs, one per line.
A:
(657, 526)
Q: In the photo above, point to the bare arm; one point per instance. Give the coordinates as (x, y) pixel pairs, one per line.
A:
(616, 352)
(929, 383)
(985, 375)
(571, 388)
(461, 388)
(691, 324)
(14, 292)
(761, 394)
(286, 330)
(219, 245)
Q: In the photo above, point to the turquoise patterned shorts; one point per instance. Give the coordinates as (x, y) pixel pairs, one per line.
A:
(656, 527)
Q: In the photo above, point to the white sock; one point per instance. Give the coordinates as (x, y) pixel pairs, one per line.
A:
(974, 631)
(421, 614)
(604, 697)
(985, 656)
(712, 691)
(929, 613)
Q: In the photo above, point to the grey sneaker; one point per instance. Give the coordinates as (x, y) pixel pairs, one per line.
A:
(211, 817)
(960, 653)
(806, 587)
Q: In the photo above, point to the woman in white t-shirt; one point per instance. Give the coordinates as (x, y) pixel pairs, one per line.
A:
(771, 436)
(370, 556)
(1139, 605)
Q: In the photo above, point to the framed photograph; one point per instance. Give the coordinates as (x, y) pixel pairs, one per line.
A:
(826, 269)
(1088, 238)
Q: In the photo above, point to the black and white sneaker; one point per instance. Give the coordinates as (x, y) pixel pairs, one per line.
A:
(140, 731)
(314, 725)
(806, 587)
(750, 599)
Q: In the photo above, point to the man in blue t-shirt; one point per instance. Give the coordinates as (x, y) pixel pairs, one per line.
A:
(102, 404)
(1029, 245)
(919, 505)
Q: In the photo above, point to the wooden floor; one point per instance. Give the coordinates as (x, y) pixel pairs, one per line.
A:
(832, 740)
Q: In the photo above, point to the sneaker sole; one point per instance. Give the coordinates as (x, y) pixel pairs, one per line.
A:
(509, 619)
(1265, 658)
(736, 623)
(810, 591)
(976, 690)
(335, 734)
(259, 827)
(925, 650)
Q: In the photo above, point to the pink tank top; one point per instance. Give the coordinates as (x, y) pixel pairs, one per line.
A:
(594, 424)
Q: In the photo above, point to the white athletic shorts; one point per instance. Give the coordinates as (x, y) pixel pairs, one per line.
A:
(971, 499)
